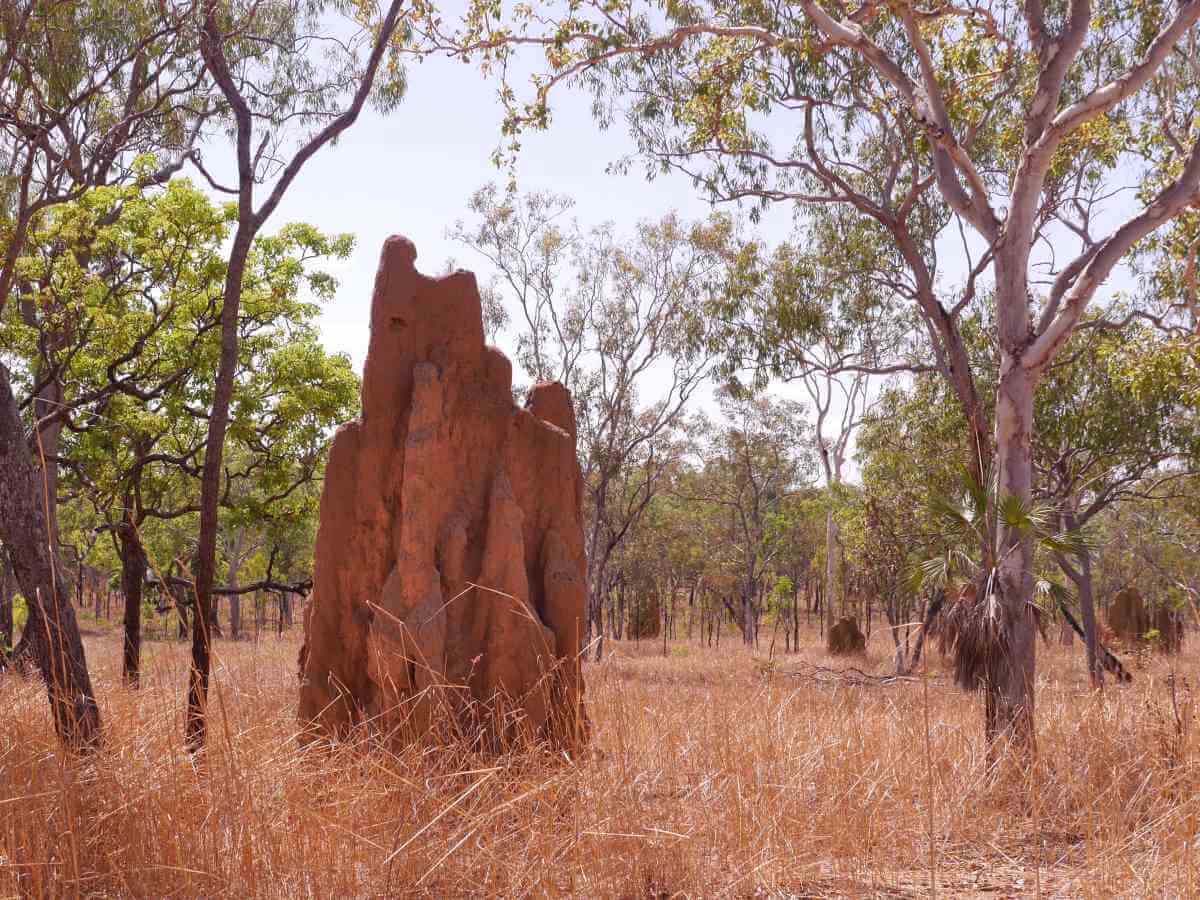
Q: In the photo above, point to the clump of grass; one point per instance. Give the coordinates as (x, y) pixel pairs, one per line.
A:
(703, 778)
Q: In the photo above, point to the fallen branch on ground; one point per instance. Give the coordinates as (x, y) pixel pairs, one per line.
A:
(826, 675)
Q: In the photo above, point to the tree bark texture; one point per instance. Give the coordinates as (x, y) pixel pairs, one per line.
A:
(133, 577)
(1009, 706)
(51, 629)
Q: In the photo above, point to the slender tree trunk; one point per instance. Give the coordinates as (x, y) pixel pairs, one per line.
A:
(831, 537)
(664, 625)
(1066, 634)
(845, 587)
(747, 615)
(691, 611)
(79, 578)
(52, 628)
(181, 611)
(133, 576)
(611, 607)
(599, 642)
(822, 617)
(595, 570)
(619, 631)
(235, 568)
(931, 610)
(235, 616)
(796, 619)
(1082, 579)
(7, 589)
(1009, 710)
(210, 491)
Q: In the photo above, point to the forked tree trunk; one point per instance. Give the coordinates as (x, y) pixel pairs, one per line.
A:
(51, 629)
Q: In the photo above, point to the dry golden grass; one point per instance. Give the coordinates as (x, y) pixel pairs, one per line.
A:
(706, 777)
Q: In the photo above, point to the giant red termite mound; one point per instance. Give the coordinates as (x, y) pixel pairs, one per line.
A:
(450, 574)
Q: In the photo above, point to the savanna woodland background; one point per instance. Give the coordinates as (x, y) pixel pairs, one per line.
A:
(891, 519)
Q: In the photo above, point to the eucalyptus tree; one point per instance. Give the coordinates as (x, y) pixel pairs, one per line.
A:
(535, 250)
(137, 372)
(1107, 437)
(746, 468)
(1158, 542)
(289, 87)
(1051, 138)
(1114, 426)
(616, 319)
(820, 310)
(86, 89)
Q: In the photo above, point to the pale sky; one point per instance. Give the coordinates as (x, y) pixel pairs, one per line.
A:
(412, 172)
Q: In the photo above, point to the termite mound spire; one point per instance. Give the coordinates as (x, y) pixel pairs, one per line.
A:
(450, 573)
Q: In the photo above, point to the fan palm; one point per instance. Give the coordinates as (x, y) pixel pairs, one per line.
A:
(974, 629)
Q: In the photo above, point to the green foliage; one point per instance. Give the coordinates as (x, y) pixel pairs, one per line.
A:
(132, 280)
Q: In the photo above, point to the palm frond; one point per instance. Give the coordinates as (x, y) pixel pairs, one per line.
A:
(1026, 518)
(976, 493)
(1048, 588)
(950, 515)
(1076, 543)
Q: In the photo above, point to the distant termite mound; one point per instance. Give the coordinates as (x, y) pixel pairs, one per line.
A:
(846, 638)
(1127, 615)
(1132, 622)
(450, 574)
